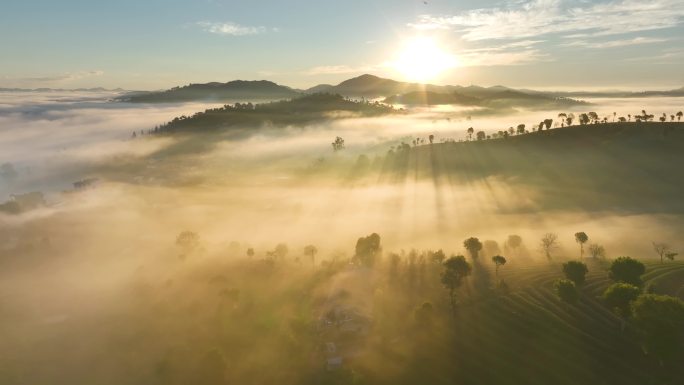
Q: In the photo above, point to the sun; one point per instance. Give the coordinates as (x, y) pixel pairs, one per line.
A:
(421, 59)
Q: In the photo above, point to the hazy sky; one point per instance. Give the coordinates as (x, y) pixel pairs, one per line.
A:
(149, 44)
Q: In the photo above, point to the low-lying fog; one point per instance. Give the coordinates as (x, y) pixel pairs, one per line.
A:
(83, 247)
(254, 189)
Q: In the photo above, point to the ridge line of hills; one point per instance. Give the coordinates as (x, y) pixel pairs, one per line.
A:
(371, 86)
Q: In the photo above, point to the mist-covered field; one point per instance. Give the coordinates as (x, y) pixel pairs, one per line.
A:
(97, 287)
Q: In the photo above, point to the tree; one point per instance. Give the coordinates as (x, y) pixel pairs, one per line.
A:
(548, 123)
(367, 250)
(663, 250)
(627, 270)
(188, 241)
(498, 262)
(549, 243)
(661, 321)
(581, 238)
(311, 251)
(514, 242)
(455, 270)
(338, 144)
(575, 271)
(584, 119)
(481, 135)
(593, 117)
(473, 245)
(597, 251)
(431, 138)
(566, 291)
(563, 117)
(250, 252)
(470, 133)
(619, 296)
(679, 115)
(520, 128)
(491, 247)
(438, 256)
(280, 251)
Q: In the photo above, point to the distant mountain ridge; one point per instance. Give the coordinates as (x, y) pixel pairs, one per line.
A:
(373, 87)
(93, 89)
(233, 90)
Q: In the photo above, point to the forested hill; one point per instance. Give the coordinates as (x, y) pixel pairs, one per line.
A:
(234, 90)
(634, 167)
(300, 111)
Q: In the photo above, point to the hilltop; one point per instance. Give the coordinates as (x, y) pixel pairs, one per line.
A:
(233, 90)
(364, 86)
(299, 111)
(632, 167)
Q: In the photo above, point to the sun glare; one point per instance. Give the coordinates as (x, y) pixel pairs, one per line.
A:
(422, 59)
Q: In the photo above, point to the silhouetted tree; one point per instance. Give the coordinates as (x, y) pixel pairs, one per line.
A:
(481, 135)
(581, 238)
(597, 251)
(661, 320)
(498, 262)
(679, 115)
(311, 251)
(455, 270)
(491, 247)
(566, 291)
(627, 270)
(438, 256)
(563, 117)
(663, 250)
(338, 144)
(549, 243)
(250, 252)
(593, 117)
(513, 242)
(188, 241)
(431, 138)
(473, 245)
(619, 296)
(548, 123)
(367, 250)
(281, 250)
(470, 133)
(584, 119)
(575, 271)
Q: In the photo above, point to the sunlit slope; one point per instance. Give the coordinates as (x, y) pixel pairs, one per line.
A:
(528, 336)
(624, 166)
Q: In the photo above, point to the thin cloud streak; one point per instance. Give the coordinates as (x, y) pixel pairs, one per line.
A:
(231, 29)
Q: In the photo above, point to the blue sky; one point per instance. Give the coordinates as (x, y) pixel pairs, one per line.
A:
(150, 44)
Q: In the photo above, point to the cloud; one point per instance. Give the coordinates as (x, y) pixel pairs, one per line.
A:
(615, 43)
(539, 17)
(232, 29)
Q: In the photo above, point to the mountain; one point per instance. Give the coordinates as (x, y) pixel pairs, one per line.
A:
(429, 98)
(215, 91)
(321, 88)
